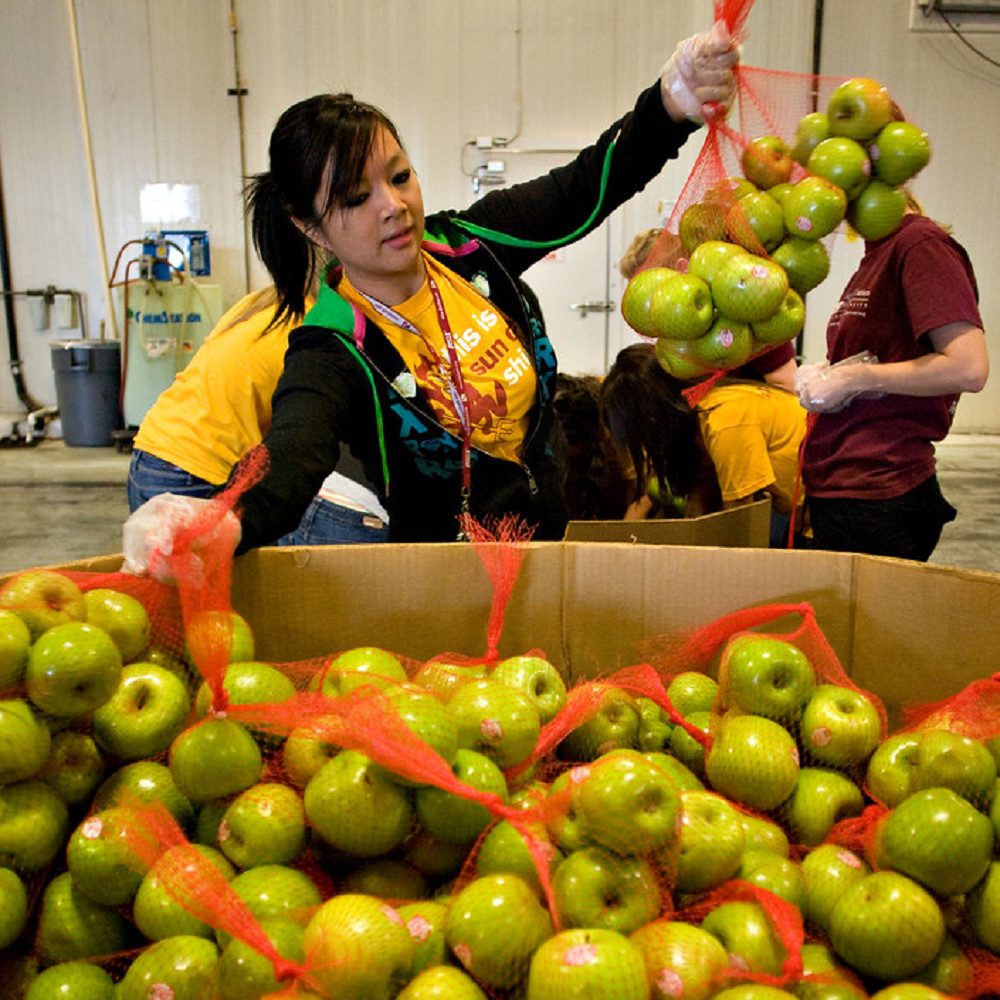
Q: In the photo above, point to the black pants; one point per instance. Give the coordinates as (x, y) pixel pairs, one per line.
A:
(907, 526)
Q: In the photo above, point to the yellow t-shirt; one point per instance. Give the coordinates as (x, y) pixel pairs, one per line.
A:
(753, 434)
(500, 380)
(219, 406)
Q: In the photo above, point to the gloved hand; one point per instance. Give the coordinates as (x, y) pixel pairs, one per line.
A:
(699, 73)
(826, 388)
(149, 535)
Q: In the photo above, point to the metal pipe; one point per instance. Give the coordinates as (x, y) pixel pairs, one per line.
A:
(239, 92)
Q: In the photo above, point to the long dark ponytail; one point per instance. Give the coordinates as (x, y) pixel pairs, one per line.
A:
(318, 147)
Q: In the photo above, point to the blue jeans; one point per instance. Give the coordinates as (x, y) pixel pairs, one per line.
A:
(324, 523)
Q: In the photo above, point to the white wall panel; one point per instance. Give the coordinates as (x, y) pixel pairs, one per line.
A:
(157, 75)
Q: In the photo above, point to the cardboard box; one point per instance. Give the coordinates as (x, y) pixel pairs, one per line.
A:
(909, 632)
(748, 526)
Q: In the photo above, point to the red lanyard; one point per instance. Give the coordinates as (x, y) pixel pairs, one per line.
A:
(456, 381)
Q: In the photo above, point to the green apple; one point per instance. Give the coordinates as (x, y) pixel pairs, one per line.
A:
(763, 834)
(811, 130)
(594, 887)
(786, 324)
(681, 308)
(456, 820)
(682, 960)
(753, 761)
(213, 638)
(433, 858)
(756, 222)
(593, 963)
(877, 211)
(442, 982)
(34, 825)
(426, 717)
(749, 288)
(637, 300)
(909, 991)
(71, 925)
(887, 926)
(688, 750)
(391, 879)
(562, 819)
(213, 758)
(891, 768)
(814, 208)
(75, 767)
(276, 892)
(357, 809)
(627, 804)
(101, 860)
(72, 981)
(162, 904)
(444, 678)
(494, 925)
(654, 727)
(148, 710)
(496, 720)
(263, 825)
(859, 108)
(821, 798)
(25, 742)
(709, 258)
(13, 907)
(307, 748)
(982, 908)
(692, 691)
(15, 641)
(682, 776)
(538, 678)
(244, 973)
(767, 161)
(843, 162)
(824, 977)
(780, 876)
(806, 262)
(145, 782)
(358, 948)
(937, 838)
(766, 676)
(961, 763)
(727, 344)
(951, 972)
(900, 151)
(505, 851)
(424, 920)
(122, 616)
(362, 666)
(712, 842)
(679, 358)
(840, 727)
(181, 968)
(248, 682)
(701, 223)
(43, 598)
(746, 932)
(728, 190)
(72, 669)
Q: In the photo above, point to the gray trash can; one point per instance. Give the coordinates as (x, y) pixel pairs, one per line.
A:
(88, 379)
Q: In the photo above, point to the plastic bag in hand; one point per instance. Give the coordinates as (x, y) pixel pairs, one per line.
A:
(699, 76)
(826, 388)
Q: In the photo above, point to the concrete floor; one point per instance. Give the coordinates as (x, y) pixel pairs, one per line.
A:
(61, 503)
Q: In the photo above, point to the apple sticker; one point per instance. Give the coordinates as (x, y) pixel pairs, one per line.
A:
(491, 729)
(581, 954)
(803, 224)
(160, 991)
(669, 982)
(92, 828)
(419, 928)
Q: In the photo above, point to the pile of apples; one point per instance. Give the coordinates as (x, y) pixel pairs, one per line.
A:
(529, 841)
(755, 243)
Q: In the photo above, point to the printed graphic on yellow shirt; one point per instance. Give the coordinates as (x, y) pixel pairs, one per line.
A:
(500, 381)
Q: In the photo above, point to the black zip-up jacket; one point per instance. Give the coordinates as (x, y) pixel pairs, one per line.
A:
(340, 383)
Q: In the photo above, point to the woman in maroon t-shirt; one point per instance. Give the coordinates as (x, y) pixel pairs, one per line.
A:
(868, 464)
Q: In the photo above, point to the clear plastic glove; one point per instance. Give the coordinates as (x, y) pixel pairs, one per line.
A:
(149, 534)
(826, 388)
(698, 81)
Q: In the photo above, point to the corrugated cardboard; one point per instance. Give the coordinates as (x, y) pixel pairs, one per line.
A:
(907, 631)
(748, 526)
